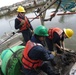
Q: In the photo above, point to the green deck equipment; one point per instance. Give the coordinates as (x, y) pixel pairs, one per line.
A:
(11, 60)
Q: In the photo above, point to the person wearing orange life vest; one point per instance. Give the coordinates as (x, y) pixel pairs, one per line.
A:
(22, 23)
(35, 54)
(56, 38)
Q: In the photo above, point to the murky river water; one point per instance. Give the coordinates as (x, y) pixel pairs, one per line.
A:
(65, 21)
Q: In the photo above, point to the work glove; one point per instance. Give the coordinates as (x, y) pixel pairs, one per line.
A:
(61, 48)
(32, 31)
(66, 49)
(54, 53)
(22, 22)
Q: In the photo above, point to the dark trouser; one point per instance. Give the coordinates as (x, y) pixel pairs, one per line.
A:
(26, 35)
(58, 50)
(29, 71)
(45, 68)
(51, 47)
(49, 44)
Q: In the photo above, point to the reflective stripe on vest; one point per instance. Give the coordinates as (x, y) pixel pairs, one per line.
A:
(26, 25)
(27, 62)
(52, 30)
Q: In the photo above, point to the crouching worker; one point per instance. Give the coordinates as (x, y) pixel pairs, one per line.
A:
(35, 54)
(56, 38)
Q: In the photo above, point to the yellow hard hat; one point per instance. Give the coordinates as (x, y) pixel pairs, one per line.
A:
(21, 9)
(68, 32)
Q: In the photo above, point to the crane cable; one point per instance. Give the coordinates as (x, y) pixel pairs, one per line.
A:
(48, 7)
(56, 10)
(49, 19)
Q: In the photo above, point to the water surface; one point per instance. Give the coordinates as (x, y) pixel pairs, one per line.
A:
(65, 21)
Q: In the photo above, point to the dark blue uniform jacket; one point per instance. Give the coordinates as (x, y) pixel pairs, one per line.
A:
(39, 52)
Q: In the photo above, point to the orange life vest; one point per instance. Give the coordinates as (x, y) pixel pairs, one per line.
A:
(26, 25)
(27, 62)
(52, 30)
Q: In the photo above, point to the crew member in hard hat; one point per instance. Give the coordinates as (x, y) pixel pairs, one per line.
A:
(56, 38)
(22, 23)
(34, 54)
